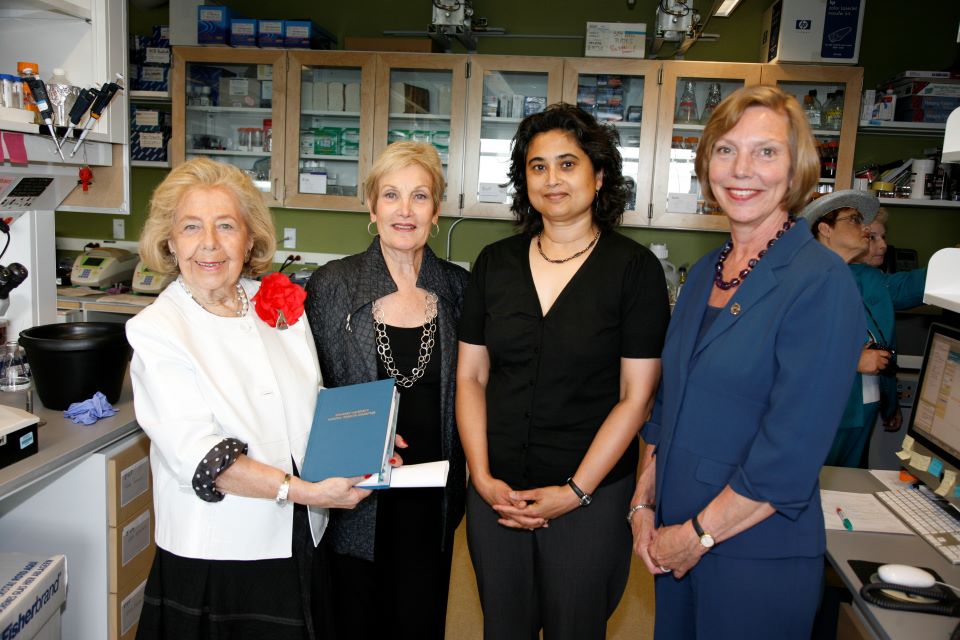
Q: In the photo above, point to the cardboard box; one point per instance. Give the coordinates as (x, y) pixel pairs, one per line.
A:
(243, 32)
(326, 141)
(151, 77)
(130, 550)
(239, 92)
(616, 39)
(821, 31)
(944, 88)
(124, 614)
(33, 591)
(128, 470)
(270, 33)
(213, 24)
(18, 435)
(304, 34)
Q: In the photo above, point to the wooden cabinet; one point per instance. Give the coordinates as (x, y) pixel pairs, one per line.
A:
(223, 101)
(341, 109)
(626, 94)
(499, 90)
(423, 97)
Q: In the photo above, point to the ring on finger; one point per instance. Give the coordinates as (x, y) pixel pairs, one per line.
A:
(664, 569)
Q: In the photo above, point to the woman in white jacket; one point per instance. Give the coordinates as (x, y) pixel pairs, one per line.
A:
(226, 393)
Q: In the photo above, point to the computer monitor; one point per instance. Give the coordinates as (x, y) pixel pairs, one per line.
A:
(935, 420)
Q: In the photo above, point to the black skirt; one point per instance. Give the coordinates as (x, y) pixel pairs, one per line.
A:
(194, 599)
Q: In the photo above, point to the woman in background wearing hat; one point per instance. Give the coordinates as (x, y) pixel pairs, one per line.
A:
(758, 360)
(840, 221)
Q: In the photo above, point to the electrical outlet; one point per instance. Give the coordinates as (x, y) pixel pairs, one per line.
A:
(289, 238)
(119, 229)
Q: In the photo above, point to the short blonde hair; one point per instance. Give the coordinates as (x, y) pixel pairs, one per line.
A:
(804, 161)
(883, 216)
(401, 155)
(203, 173)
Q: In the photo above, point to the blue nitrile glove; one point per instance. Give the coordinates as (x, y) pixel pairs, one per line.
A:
(89, 411)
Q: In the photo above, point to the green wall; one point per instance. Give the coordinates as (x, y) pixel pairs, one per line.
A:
(885, 50)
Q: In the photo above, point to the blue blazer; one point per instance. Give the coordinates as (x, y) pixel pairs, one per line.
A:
(756, 402)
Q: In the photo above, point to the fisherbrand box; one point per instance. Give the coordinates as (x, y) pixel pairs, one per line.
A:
(32, 591)
(821, 31)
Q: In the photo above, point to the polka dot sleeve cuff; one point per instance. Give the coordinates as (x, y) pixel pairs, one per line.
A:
(213, 464)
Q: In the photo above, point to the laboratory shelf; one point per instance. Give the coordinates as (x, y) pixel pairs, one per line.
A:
(884, 127)
(149, 96)
(925, 204)
(151, 164)
(419, 116)
(227, 152)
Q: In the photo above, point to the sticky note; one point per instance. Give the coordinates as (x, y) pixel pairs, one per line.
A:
(15, 147)
(935, 468)
(919, 462)
(908, 443)
(904, 455)
(947, 486)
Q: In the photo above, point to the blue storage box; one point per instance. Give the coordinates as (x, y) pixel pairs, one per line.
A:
(213, 24)
(270, 33)
(243, 32)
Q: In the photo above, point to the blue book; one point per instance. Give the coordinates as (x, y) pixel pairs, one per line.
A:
(353, 433)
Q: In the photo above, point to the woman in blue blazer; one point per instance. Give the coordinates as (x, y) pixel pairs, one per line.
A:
(758, 363)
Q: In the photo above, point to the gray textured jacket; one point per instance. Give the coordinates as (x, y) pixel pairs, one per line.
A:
(339, 303)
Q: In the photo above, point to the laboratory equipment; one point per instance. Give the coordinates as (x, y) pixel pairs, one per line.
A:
(14, 368)
(80, 107)
(713, 99)
(813, 109)
(145, 280)
(107, 91)
(102, 267)
(670, 274)
(62, 95)
(687, 107)
(44, 107)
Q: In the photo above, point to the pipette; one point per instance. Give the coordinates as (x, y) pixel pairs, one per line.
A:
(80, 107)
(107, 91)
(40, 98)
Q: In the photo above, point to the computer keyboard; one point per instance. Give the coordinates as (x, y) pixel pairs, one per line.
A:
(929, 517)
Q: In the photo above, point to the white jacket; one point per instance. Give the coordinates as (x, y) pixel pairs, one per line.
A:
(199, 378)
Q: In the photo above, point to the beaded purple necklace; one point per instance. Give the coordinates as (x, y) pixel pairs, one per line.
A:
(728, 247)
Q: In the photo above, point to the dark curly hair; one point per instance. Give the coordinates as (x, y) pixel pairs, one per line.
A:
(598, 141)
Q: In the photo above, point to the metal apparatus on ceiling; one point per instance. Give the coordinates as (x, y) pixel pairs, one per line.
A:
(678, 21)
(453, 19)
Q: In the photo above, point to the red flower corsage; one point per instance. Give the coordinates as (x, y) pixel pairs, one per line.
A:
(279, 302)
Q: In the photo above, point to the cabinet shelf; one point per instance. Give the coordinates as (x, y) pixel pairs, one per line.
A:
(149, 96)
(687, 127)
(227, 152)
(625, 125)
(250, 110)
(151, 164)
(322, 157)
(419, 116)
(501, 120)
(333, 114)
(825, 133)
(65, 7)
(882, 127)
(925, 204)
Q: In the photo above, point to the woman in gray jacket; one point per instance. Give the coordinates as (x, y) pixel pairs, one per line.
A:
(392, 311)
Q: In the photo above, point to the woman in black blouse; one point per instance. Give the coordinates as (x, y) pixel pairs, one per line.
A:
(560, 342)
(392, 311)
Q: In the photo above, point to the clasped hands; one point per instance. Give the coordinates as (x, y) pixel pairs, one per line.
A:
(530, 509)
(673, 548)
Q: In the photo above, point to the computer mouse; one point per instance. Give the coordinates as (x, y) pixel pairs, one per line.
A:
(905, 575)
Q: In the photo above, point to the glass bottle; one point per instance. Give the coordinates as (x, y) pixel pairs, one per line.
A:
(812, 108)
(268, 135)
(687, 108)
(833, 112)
(713, 99)
(14, 370)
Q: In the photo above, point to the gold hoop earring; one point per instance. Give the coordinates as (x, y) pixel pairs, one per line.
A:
(436, 229)
(370, 233)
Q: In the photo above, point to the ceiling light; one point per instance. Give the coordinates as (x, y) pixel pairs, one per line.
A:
(726, 8)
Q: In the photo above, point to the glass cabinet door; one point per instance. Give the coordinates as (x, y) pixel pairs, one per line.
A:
(224, 109)
(503, 90)
(623, 94)
(830, 97)
(689, 93)
(422, 97)
(329, 128)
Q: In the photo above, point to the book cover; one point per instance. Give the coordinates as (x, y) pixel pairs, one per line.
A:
(353, 433)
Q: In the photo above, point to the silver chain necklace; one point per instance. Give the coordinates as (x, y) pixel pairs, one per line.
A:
(242, 301)
(426, 342)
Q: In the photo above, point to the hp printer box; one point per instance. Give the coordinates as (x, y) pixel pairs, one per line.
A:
(32, 591)
(820, 31)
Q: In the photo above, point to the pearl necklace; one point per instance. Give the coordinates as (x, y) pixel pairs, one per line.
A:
(576, 255)
(728, 247)
(243, 303)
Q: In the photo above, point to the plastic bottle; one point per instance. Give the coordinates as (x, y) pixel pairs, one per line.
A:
(687, 108)
(268, 135)
(24, 70)
(833, 112)
(812, 108)
(713, 99)
(659, 249)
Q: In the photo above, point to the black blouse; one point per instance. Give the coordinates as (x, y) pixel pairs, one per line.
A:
(554, 378)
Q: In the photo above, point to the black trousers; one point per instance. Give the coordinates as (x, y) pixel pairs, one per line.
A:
(566, 579)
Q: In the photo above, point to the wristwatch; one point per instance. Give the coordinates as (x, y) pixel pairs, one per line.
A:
(705, 538)
(585, 498)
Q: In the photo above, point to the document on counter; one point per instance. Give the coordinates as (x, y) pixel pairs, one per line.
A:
(890, 479)
(864, 511)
